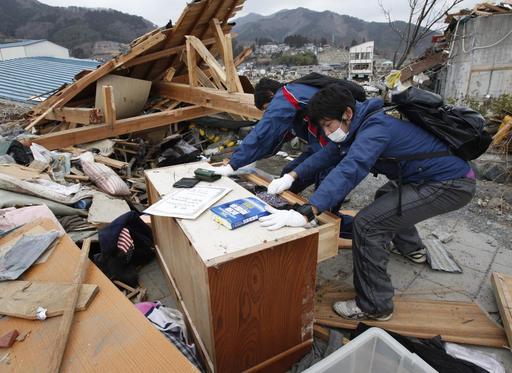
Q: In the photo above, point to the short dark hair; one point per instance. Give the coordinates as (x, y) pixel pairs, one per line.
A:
(264, 91)
(330, 103)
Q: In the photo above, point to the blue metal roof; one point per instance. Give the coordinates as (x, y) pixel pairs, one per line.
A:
(23, 78)
(20, 43)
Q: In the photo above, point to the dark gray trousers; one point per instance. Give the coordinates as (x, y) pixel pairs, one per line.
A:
(378, 224)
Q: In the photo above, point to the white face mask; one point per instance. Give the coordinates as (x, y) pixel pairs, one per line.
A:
(338, 136)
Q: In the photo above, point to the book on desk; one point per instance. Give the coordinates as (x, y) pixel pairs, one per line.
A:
(240, 212)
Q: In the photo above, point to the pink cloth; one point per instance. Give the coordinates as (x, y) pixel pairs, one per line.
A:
(145, 307)
(11, 218)
(471, 174)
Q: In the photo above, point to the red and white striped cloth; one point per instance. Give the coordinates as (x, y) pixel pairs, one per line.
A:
(125, 241)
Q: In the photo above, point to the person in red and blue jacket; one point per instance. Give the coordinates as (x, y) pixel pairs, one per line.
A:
(280, 123)
(365, 139)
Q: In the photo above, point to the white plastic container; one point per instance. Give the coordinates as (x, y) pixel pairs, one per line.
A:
(374, 351)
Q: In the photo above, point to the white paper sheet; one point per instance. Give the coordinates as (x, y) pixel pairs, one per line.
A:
(187, 203)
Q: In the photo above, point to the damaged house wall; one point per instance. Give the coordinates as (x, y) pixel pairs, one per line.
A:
(480, 62)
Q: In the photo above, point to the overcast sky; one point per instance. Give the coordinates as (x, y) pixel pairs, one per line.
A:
(160, 11)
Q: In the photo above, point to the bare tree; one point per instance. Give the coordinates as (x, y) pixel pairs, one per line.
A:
(423, 16)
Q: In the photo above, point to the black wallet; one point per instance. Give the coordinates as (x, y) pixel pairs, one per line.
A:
(186, 182)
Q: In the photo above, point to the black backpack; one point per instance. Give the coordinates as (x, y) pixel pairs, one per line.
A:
(461, 128)
(321, 81)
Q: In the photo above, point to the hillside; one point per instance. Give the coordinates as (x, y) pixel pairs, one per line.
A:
(317, 25)
(73, 27)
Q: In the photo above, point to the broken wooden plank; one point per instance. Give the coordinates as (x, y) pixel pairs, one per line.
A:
(123, 126)
(219, 34)
(233, 81)
(114, 163)
(69, 309)
(22, 298)
(108, 104)
(234, 103)
(502, 285)
(458, 322)
(242, 56)
(208, 58)
(76, 115)
(41, 117)
(169, 74)
(420, 66)
(162, 54)
(76, 178)
(191, 64)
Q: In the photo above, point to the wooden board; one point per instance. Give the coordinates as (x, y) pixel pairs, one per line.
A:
(111, 335)
(502, 285)
(220, 244)
(458, 322)
(22, 298)
(234, 103)
(329, 228)
(246, 290)
(92, 133)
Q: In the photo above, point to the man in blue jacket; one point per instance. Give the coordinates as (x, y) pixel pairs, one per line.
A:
(363, 137)
(280, 123)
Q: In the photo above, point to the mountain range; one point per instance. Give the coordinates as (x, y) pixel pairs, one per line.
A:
(73, 27)
(341, 29)
(80, 28)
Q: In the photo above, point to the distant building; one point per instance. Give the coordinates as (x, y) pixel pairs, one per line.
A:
(32, 48)
(333, 56)
(360, 66)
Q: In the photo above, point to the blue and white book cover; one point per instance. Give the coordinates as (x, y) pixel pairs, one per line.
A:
(240, 212)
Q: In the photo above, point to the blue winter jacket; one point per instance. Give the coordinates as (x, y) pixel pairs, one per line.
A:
(380, 135)
(279, 122)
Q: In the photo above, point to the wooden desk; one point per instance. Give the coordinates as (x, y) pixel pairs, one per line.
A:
(110, 336)
(248, 293)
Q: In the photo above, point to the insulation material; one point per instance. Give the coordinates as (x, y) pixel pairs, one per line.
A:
(23, 254)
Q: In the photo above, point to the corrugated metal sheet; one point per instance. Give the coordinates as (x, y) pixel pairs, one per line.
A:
(20, 43)
(22, 79)
(439, 258)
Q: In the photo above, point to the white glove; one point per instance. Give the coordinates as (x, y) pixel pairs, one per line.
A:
(282, 218)
(224, 170)
(278, 186)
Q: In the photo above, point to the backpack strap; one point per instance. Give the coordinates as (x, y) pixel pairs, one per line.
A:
(297, 105)
(404, 158)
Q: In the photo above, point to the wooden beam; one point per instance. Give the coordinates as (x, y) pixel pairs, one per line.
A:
(61, 98)
(162, 54)
(123, 126)
(109, 105)
(169, 74)
(234, 103)
(233, 81)
(69, 310)
(502, 285)
(76, 115)
(191, 64)
(219, 35)
(208, 58)
(41, 117)
(242, 56)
